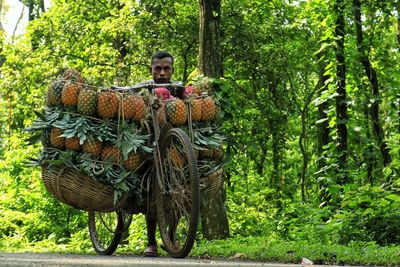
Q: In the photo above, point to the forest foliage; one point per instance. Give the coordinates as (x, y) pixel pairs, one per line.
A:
(309, 161)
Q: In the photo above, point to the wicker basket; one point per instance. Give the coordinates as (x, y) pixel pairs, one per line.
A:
(79, 191)
(212, 183)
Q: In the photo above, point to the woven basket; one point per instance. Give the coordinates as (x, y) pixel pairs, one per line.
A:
(212, 183)
(79, 191)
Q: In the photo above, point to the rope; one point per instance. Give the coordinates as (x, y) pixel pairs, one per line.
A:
(191, 133)
(60, 172)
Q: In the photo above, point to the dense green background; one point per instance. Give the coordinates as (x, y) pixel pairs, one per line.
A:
(285, 182)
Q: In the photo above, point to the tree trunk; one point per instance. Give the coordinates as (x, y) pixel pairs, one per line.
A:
(373, 80)
(276, 177)
(2, 33)
(398, 41)
(398, 21)
(263, 156)
(31, 10)
(210, 61)
(214, 217)
(370, 156)
(303, 144)
(1, 12)
(341, 105)
(41, 6)
(322, 130)
(186, 56)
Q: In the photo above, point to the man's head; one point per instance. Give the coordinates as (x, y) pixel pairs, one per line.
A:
(162, 67)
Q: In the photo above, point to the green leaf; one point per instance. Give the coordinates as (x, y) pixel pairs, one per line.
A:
(394, 197)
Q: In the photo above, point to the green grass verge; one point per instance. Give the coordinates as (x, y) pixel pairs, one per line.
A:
(260, 249)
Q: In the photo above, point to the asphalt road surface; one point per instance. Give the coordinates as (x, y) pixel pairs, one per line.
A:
(40, 259)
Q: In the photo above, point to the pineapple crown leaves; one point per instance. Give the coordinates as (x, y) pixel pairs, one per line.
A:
(52, 156)
(105, 132)
(130, 139)
(207, 167)
(205, 138)
(91, 167)
(48, 154)
(122, 181)
(118, 177)
(45, 119)
(75, 126)
(110, 174)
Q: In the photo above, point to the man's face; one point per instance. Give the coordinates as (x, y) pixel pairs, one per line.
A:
(162, 70)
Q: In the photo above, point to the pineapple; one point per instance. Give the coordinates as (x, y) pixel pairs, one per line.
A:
(217, 153)
(197, 91)
(110, 153)
(92, 146)
(73, 75)
(205, 154)
(140, 108)
(70, 93)
(132, 162)
(133, 107)
(45, 137)
(53, 97)
(55, 138)
(176, 111)
(87, 101)
(209, 109)
(211, 153)
(202, 86)
(107, 104)
(175, 157)
(128, 107)
(72, 143)
(196, 108)
(161, 114)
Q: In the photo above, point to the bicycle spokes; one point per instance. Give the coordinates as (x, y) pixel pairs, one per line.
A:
(177, 194)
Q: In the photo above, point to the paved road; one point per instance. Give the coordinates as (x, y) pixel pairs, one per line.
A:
(39, 259)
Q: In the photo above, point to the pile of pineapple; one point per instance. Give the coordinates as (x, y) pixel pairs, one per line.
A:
(98, 132)
(104, 133)
(199, 115)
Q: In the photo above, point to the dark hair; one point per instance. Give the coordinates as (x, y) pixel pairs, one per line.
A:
(161, 55)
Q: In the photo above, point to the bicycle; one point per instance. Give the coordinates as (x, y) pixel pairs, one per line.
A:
(176, 193)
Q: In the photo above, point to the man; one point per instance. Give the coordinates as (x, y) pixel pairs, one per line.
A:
(162, 67)
(161, 70)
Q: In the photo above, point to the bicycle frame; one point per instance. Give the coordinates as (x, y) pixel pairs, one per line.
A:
(177, 216)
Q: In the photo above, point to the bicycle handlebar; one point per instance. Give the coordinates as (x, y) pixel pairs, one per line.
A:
(174, 85)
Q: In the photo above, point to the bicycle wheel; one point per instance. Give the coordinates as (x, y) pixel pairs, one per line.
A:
(106, 228)
(177, 194)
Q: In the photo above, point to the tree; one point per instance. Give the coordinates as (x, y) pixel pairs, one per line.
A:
(210, 61)
(2, 58)
(323, 127)
(35, 8)
(341, 105)
(374, 85)
(214, 216)
(293, 148)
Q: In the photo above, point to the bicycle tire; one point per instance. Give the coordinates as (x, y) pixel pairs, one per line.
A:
(106, 229)
(177, 196)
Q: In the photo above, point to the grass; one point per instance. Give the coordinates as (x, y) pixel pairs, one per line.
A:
(260, 249)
